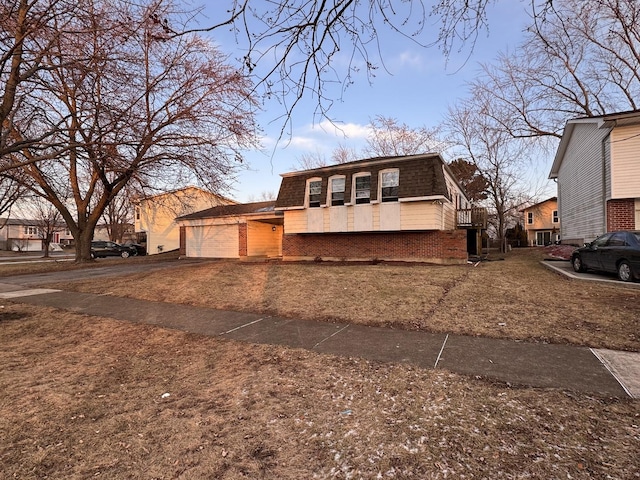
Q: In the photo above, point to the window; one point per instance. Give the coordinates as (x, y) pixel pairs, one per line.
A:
(337, 190)
(363, 188)
(315, 189)
(618, 239)
(601, 241)
(137, 213)
(529, 218)
(390, 182)
(29, 230)
(556, 219)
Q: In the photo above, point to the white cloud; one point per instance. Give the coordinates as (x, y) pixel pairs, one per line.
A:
(410, 59)
(349, 131)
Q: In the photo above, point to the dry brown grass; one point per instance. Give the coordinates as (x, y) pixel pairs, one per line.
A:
(516, 298)
(84, 397)
(15, 264)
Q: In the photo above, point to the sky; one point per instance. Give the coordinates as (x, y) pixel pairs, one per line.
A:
(417, 90)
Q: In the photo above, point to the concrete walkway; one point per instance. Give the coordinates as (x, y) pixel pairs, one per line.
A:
(580, 369)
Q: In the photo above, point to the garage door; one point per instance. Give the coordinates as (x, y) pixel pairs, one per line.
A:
(213, 241)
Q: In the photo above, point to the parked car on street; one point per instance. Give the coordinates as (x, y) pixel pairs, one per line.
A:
(111, 249)
(614, 252)
(140, 249)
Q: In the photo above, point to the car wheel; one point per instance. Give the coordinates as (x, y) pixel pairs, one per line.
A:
(577, 264)
(624, 271)
(124, 254)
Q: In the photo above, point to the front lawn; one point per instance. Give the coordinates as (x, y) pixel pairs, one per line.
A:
(511, 296)
(85, 397)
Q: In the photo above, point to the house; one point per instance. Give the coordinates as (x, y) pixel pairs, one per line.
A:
(542, 222)
(124, 231)
(404, 208)
(391, 208)
(242, 231)
(597, 169)
(25, 235)
(155, 216)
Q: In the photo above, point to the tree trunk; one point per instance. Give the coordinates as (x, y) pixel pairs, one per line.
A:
(83, 245)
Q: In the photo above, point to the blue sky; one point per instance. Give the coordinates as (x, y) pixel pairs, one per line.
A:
(417, 91)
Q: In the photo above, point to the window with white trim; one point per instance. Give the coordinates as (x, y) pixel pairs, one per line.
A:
(337, 187)
(389, 185)
(362, 188)
(556, 219)
(529, 218)
(314, 189)
(30, 230)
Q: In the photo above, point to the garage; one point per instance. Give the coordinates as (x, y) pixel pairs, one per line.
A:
(242, 230)
(213, 241)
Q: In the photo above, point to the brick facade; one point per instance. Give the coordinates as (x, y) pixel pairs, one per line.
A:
(242, 239)
(447, 247)
(621, 214)
(183, 242)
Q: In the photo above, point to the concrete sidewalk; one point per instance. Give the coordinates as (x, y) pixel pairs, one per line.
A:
(580, 369)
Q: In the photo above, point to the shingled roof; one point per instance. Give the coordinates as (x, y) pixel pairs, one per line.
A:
(420, 176)
(232, 210)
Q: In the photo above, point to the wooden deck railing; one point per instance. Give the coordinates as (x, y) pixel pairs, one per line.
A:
(472, 218)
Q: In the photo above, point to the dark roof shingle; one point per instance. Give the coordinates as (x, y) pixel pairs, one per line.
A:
(230, 210)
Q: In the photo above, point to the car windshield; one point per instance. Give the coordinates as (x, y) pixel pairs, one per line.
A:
(637, 235)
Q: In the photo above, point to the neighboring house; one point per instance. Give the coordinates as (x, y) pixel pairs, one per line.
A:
(408, 208)
(597, 169)
(542, 223)
(24, 235)
(101, 233)
(155, 217)
(244, 231)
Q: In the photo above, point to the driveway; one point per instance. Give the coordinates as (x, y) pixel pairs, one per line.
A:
(106, 269)
(564, 268)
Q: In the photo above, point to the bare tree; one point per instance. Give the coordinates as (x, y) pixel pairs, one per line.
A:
(11, 191)
(118, 216)
(580, 59)
(317, 159)
(499, 158)
(133, 105)
(28, 29)
(390, 138)
(264, 196)
(305, 48)
(387, 137)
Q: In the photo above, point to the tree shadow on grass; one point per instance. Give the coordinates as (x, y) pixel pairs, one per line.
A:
(12, 316)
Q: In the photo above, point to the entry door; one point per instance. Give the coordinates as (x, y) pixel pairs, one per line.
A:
(543, 238)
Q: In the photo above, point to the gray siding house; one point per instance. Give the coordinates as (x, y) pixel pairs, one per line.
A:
(597, 169)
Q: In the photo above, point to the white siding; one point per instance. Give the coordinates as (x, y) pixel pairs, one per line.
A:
(390, 216)
(625, 164)
(315, 220)
(362, 218)
(449, 216)
(607, 170)
(157, 216)
(338, 219)
(295, 221)
(580, 185)
(213, 241)
(421, 216)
